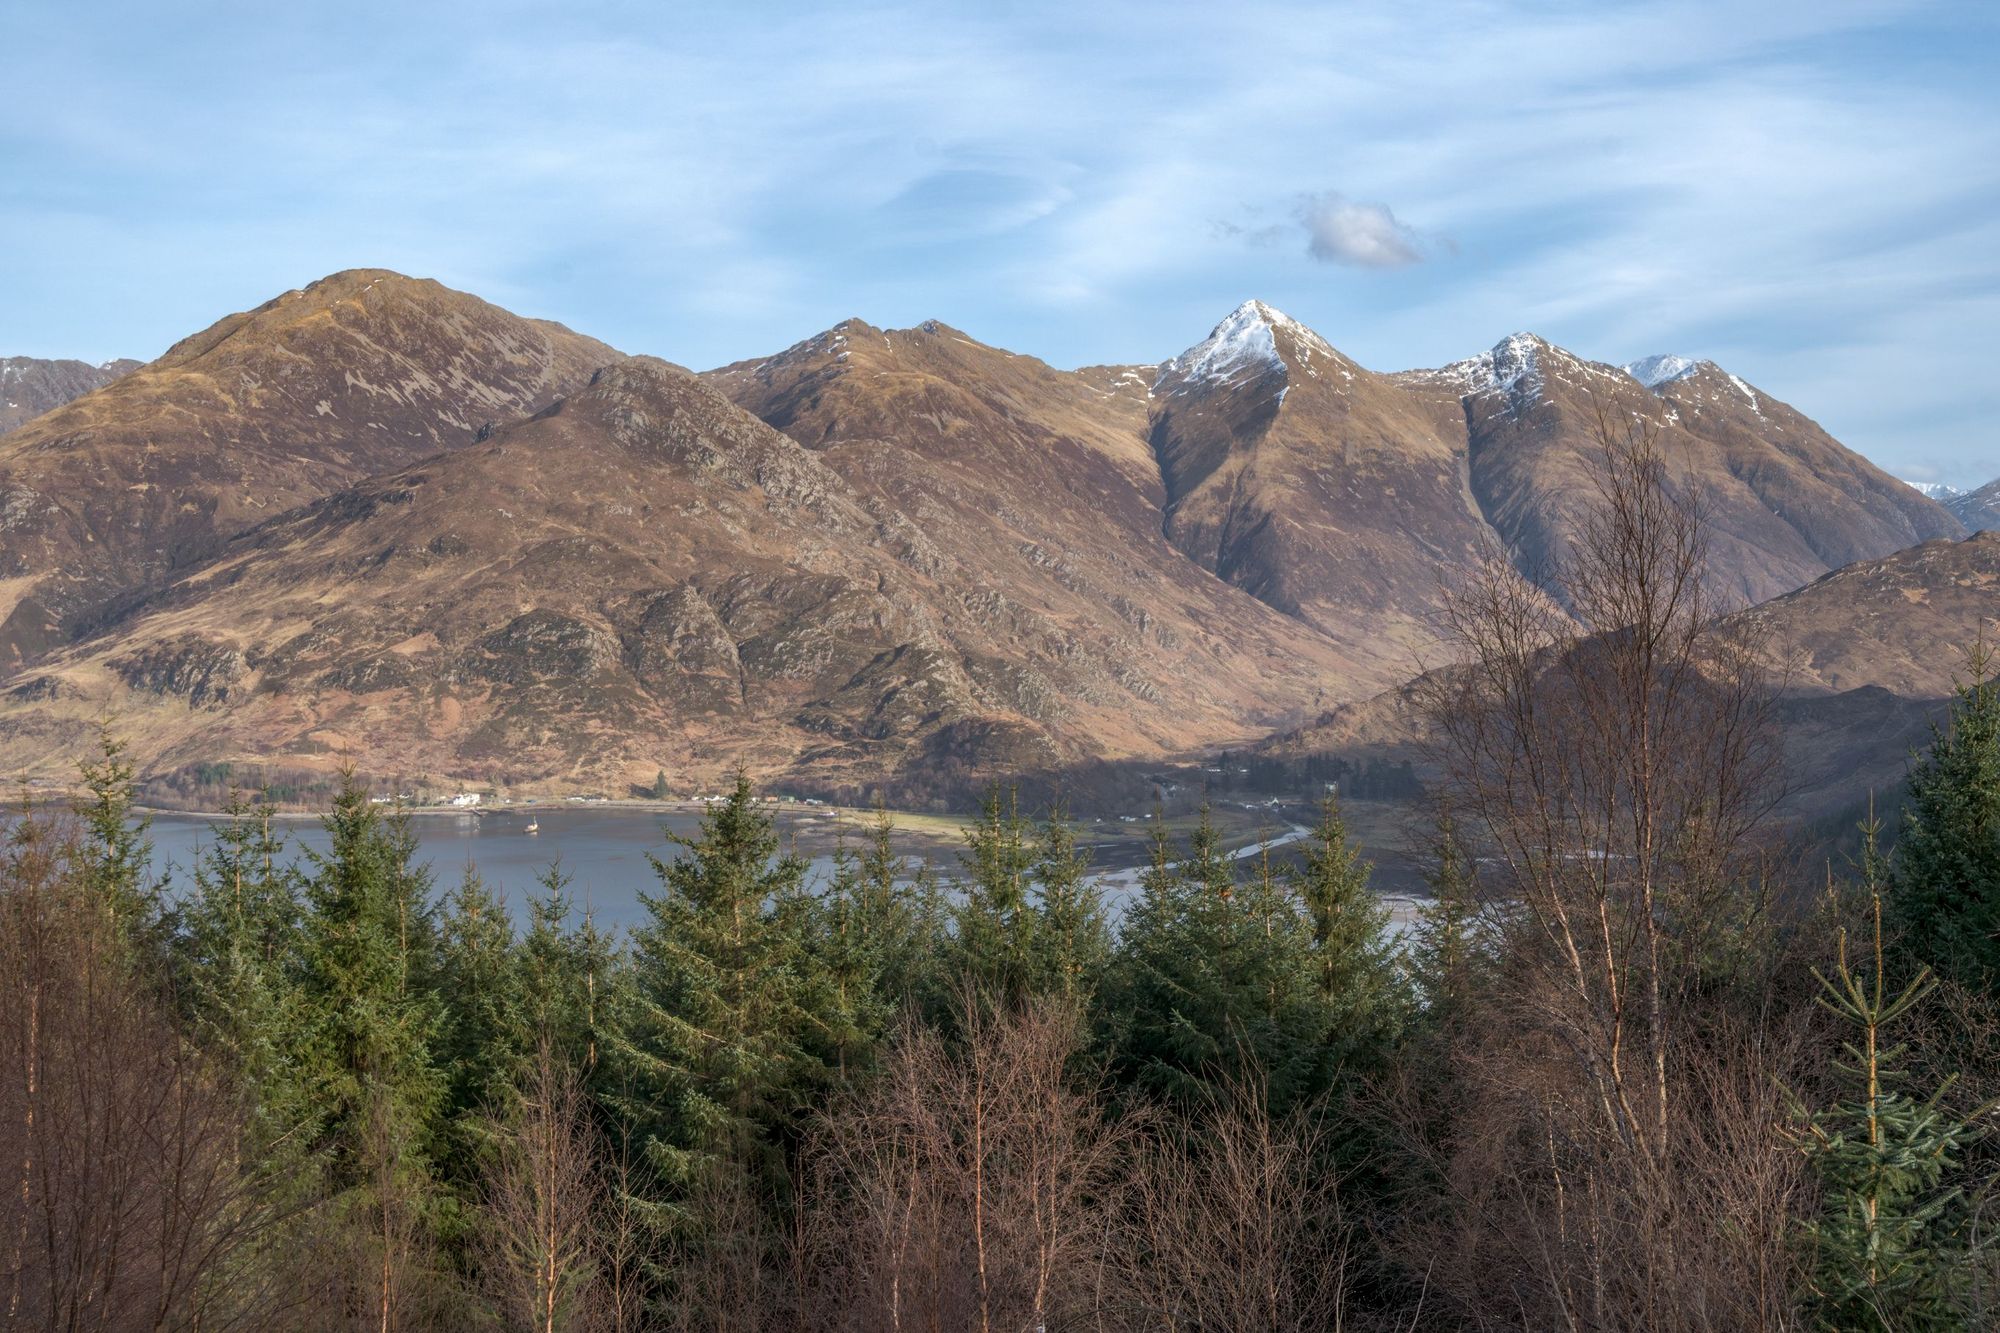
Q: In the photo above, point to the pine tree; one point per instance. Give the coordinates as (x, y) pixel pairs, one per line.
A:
(715, 1055)
(996, 915)
(660, 788)
(1353, 954)
(1945, 899)
(1889, 1246)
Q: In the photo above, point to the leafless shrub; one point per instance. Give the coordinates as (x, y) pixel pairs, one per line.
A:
(128, 1203)
(547, 1219)
(1237, 1223)
(973, 1185)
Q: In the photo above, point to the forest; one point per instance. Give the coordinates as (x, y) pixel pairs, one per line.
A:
(1650, 1058)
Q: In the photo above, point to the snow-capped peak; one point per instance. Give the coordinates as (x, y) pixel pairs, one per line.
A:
(1936, 490)
(1244, 341)
(1653, 371)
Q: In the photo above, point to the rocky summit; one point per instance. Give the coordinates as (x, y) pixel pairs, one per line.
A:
(358, 373)
(381, 523)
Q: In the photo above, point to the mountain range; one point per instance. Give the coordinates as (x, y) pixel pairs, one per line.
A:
(379, 522)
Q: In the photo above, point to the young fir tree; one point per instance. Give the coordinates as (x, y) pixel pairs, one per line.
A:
(714, 1043)
(1889, 1247)
(1353, 956)
(567, 977)
(996, 915)
(1203, 988)
(1444, 952)
(1072, 940)
(1945, 899)
(373, 1020)
(901, 911)
(841, 969)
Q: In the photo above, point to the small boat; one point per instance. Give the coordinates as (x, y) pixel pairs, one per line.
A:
(534, 826)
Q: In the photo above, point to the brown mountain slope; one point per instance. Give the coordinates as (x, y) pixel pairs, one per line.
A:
(646, 576)
(1034, 483)
(30, 386)
(358, 373)
(1902, 622)
(1864, 657)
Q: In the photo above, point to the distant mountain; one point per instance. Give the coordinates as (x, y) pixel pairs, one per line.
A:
(1344, 498)
(377, 521)
(645, 576)
(30, 386)
(1979, 510)
(358, 373)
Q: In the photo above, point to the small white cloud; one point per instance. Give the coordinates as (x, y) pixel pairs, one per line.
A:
(1341, 231)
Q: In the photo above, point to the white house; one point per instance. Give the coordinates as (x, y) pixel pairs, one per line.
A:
(465, 798)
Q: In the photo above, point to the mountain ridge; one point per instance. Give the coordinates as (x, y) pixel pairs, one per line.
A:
(873, 556)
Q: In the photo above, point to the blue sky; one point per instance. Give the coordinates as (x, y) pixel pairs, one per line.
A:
(1808, 193)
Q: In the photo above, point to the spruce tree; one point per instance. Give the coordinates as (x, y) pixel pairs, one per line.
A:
(901, 913)
(568, 977)
(117, 848)
(714, 1048)
(1353, 955)
(482, 1045)
(1945, 899)
(373, 1018)
(841, 968)
(1444, 949)
(1206, 989)
(1072, 941)
(237, 951)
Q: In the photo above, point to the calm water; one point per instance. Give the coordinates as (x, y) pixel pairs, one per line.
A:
(603, 851)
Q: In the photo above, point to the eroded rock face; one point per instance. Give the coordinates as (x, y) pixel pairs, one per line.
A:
(204, 673)
(544, 646)
(678, 634)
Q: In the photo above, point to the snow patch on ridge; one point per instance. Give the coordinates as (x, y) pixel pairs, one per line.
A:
(1245, 341)
(1653, 371)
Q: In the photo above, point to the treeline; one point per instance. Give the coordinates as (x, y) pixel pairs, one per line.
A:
(1641, 1064)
